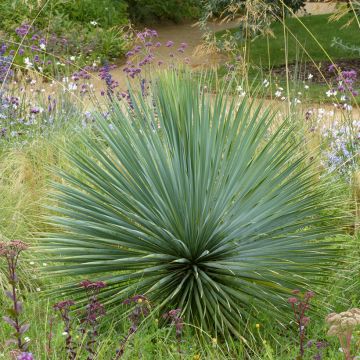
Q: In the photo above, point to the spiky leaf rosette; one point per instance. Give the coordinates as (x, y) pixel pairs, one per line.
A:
(195, 200)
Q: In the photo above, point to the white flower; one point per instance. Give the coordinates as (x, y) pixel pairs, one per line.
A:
(266, 83)
(310, 76)
(306, 87)
(44, 264)
(241, 91)
(331, 92)
(32, 82)
(32, 263)
(38, 289)
(72, 86)
(27, 62)
(72, 58)
(278, 93)
(27, 339)
(93, 23)
(347, 107)
(343, 98)
(40, 69)
(65, 333)
(42, 46)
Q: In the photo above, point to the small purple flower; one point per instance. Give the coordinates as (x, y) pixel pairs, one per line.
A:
(331, 68)
(25, 356)
(169, 43)
(92, 285)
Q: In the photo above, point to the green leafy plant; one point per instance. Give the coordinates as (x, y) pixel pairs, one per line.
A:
(199, 202)
(155, 10)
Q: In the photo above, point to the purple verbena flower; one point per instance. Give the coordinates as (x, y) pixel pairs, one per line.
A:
(25, 356)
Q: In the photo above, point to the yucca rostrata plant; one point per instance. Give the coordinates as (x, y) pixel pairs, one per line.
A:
(197, 202)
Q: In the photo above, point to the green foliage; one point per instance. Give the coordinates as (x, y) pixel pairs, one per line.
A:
(84, 31)
(195, 201)
(107, 13)
(312, 34)
(221, 7)
(153, 10)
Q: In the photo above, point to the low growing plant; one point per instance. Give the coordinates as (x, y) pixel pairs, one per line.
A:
(300, 304)
(11, 251)
(140, 311)
(343, 326)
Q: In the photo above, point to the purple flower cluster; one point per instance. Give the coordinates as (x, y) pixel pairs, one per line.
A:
(106, 76)
(11, 252)
(319, 348)
(300, 304)
(23, 29)
(346, 80)
(140, 311)
(64, 309)
(25, 356)
(6, 73)
(93, 312)
(174, 317)
(18, 116)
(340, 148)
(88, 318)
(134, 64)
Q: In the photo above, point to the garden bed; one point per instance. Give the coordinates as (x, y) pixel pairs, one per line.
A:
(320, 72)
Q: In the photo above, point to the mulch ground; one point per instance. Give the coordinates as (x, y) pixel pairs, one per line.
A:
(302, 71)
